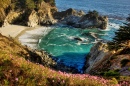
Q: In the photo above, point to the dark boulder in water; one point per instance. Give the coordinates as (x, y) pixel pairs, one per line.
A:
(77, 38)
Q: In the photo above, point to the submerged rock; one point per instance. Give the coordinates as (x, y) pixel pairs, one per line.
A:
(77, 38)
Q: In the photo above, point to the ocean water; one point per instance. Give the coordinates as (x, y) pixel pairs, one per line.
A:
(112, 8)
(61, 41)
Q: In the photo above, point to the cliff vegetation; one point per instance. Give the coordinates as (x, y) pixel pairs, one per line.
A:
(20, 66)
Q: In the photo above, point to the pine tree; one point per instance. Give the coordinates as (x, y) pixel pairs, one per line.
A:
(123, 34)
(121, 37)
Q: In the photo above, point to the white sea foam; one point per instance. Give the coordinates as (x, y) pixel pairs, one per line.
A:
(31, 37)
(93, 34)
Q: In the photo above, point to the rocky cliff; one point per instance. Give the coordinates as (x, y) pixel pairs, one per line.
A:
(101, 59)
(43, 12)
(27, 12)
(97, 58)
(79, 19)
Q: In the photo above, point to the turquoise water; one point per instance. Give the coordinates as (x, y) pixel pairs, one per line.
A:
(61, 42)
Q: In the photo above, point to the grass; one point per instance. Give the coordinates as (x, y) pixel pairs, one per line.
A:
(16, 70)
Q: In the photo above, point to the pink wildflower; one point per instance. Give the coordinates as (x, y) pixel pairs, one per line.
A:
(16, 79)
(53, 81)
(10, 71)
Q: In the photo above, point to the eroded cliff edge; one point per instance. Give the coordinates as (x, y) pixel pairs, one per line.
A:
(101, 60)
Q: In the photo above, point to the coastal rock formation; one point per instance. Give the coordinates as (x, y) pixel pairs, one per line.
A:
(45, 14)
(11, 17)
(33, 19)
(102, 59)
(82, 20)
(98, 56)
(42, 17)
(33, 13)
(28, 13)
(68, 12)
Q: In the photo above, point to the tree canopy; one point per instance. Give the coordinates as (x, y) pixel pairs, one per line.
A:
(121, 36)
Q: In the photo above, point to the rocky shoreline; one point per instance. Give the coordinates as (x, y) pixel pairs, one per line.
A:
(45, 14)
(40, 56)
(100, 60)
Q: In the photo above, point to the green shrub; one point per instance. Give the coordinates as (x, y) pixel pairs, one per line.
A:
(111, 73)
(30, 4)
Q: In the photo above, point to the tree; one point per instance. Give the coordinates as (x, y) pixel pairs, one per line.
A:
(30, 4)
(122, 36)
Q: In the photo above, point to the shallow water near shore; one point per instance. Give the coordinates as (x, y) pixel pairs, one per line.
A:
(70, 45)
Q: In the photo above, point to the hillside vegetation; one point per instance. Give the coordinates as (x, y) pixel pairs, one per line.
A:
(16, 69)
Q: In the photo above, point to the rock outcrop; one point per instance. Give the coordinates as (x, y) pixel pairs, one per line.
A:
(33, 19)
(82, 20)
(121, 63)
(97, 58)
(68, 12)
(39, 13)
(11, 18)
(101, 59)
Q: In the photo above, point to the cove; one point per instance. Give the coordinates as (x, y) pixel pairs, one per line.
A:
(70, 45)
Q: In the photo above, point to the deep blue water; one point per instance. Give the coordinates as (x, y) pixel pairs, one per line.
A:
(60, 42)
(113, 8)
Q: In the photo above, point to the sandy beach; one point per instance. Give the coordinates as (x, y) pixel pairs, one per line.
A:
(26, 35)
(20, 33)
(13, 30)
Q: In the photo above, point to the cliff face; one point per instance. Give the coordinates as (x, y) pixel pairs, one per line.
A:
(79, 19)
(27, 12)
(101, 59)
(97, 58)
